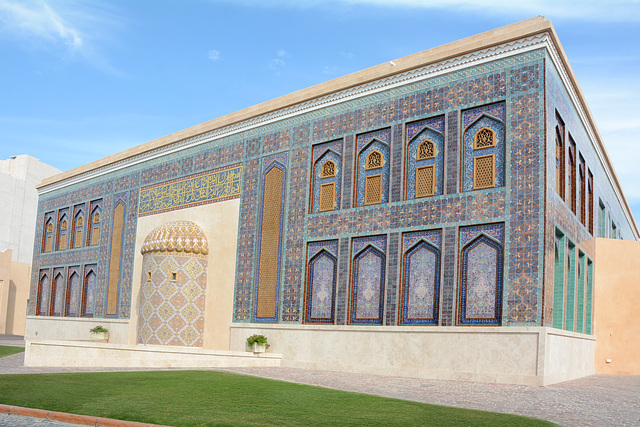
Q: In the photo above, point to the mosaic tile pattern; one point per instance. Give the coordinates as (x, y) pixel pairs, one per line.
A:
(450, 262)
(525, 281)
(245, 257)
(392, 280)
(417, 133)
(524, 79)
(347, 176)
(365, 145)
(420, 103)
(293, 272)
(343, 281)
(368, 280)
(320, 295)
(172, 311)
(397, 164)
(426, 211)
(481, 275)
(276, 141)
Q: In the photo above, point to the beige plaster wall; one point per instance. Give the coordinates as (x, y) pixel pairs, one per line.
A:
(73, 328)
(220, 224)
(616, 301)
(14, 294)
(508, 355)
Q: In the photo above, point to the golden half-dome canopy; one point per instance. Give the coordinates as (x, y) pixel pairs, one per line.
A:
(176, 236)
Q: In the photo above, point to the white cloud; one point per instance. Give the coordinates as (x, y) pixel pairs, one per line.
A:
(277, 64)
(331, 70)
(586, 10)
(281, 53)
(213, 55)
(65, 28)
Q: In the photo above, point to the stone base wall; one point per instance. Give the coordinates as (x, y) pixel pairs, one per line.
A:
(508, 355)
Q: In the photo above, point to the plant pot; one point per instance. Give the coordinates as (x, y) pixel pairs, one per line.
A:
(100, 336)
(258, 348)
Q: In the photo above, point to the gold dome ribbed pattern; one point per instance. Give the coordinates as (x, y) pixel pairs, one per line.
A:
(176, 236)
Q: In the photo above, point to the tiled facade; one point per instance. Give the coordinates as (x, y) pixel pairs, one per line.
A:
(464, 256)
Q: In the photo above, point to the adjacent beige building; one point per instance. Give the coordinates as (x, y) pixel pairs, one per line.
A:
(19, 176)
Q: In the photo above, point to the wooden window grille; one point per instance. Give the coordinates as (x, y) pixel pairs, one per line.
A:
(95, 230)
(374, 160)
(328, 169)
(426, 150)
(484, 138)
(79, 221)
(148, 276)
(484, 172)
(425, 181)
(269, 244)
(47, 243)
(327, 197)
(78, 239)
(373, 190)
(62, 243)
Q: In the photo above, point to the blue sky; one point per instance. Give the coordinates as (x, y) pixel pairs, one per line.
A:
(85, 79)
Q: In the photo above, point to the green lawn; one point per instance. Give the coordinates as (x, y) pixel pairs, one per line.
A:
(6, 350)
(199, 398)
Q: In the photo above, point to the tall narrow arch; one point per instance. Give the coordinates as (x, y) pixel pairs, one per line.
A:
(44, 294)
(484, 147)
(321, 288)
(115, 259)
(74, 297)
(270, 243)
(57, 294)
(372, 173)
(47, 235)
(89, 292)
(424, 159)
(63, 232)
(78, 229)
(367, 286)
(326, 181)
(481, 276)
(420, 285)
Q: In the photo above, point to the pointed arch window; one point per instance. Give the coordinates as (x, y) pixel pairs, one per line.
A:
(63, 232)
(74, 297)
(96, 220)
(57, 294)
(367, 286)
(47, 240)
(78, 229)
(326, 177)
(560, 158)
(421, 285)
(480, 293)
(321, 288)
(44, 295)
(89, 292)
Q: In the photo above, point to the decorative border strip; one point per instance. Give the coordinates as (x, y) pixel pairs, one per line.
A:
(195, 190)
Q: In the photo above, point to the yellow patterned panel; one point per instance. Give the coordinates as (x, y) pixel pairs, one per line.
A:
(195, 190)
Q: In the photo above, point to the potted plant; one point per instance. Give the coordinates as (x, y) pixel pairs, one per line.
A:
(99, 333)
(258, 343)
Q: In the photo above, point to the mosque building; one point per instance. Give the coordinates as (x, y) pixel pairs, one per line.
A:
(434, 216)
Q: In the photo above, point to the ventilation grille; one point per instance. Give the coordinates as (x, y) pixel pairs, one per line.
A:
(426, 150)
(425, 181)
(485, 138)
(327, 197)
(373, 190)
(483, 172)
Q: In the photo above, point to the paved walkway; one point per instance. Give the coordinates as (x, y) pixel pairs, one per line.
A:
(602, 400)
